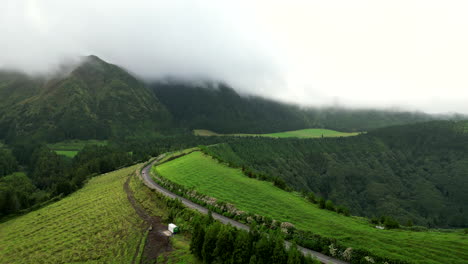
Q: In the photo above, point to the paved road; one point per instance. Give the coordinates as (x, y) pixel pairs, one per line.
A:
(146, 176)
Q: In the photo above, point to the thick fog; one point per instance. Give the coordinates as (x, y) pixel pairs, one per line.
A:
(406, 54)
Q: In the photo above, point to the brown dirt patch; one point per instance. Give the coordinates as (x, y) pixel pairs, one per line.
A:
(157, 242)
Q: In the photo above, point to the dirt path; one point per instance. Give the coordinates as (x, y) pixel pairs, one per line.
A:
(156, 243)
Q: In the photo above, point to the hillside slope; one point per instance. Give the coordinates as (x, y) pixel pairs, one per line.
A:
(97, 224)
(202, 173)
(415, 173)
(219, 108)
(96, 100)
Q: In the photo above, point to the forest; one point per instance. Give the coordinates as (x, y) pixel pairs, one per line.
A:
(413, 173)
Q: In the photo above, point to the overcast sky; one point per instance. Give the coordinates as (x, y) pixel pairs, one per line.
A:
(407, 54)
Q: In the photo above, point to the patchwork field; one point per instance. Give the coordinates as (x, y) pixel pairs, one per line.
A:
(94, 225)
(72, 147)
(303, 133)
(227, 184)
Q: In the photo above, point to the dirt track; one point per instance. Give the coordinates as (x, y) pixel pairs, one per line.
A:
(156, 243)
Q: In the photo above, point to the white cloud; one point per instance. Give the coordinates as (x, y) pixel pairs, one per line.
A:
(360, 53)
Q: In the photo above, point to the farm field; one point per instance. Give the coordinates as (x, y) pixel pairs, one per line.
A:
(72, 147)
(302, 133)
(96, 224)
(211, 178)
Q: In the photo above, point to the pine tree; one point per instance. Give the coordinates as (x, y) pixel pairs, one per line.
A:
(294, 256)
(198, 237)
(279, 253)
(253, 260)
(225, 244)
(209, 244)
(264, 250)
(242, 248)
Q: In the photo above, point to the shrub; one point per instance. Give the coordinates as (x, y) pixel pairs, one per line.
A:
(390, 223)
(321, 203)
(311, 197)
(329, 205)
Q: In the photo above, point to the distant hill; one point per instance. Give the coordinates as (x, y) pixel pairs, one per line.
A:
(219, 108)
(96, 100)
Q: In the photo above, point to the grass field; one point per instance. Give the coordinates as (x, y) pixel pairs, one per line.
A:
(302, 133)
(71, 147)
(227, 184)
(96, 224)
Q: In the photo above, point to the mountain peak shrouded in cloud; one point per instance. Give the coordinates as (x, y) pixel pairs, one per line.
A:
(406, 54)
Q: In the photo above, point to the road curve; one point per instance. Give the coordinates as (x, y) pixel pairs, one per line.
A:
(150, 183)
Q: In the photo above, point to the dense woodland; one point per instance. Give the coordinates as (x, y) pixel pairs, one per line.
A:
(415, 173)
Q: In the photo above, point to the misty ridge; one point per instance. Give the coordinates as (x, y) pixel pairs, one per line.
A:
(68, 65)
(296, 52)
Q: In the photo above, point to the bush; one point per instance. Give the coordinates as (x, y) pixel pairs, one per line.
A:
(374, 220)
(390, 223)
(311, 197)
(321, 203)
(329, 205)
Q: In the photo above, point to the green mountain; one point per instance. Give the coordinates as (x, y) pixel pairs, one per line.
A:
(219, 108)
(95, 100)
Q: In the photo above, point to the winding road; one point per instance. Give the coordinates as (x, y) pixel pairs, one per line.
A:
(148, 181)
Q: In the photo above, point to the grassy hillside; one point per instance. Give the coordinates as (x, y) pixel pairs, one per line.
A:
(226, 184)
(302, 133)
(94, 225)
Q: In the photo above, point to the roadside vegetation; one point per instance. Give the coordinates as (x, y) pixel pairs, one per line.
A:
(302, 133)
(208, 177)
(95, 225)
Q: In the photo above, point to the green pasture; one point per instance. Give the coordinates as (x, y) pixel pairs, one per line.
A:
(302, 133)
(96, 224)
(211, 178)
(70, 148)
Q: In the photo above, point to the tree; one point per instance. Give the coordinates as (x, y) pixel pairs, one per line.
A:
(209, 244)
(264, 249)
(242, 248)
(225, 244)
(279, 253)
(253, 259)
(294, 256)
(198, 237)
